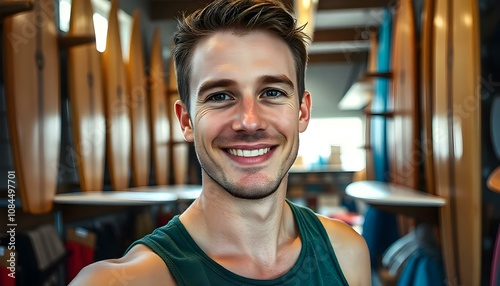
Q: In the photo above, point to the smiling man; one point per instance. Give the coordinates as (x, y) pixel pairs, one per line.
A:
(241, 66)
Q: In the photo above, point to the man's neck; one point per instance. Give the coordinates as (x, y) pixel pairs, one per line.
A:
(224, 226)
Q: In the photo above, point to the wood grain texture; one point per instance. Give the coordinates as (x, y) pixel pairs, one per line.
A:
(404, 127)
(466, 127)
(118, 135)
(139, 111)
(160, 122)
(32, 86)
(426, 80)
(86, 97)
(456, 135)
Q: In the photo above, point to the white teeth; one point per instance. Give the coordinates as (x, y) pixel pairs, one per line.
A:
(248, 153)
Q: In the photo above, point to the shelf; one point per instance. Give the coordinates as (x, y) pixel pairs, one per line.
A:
(72, 41)
(321, 170)
(360, 93)
(388, 114)
(379, 193)
(183, 192)
(9, 8)
(397, 199)
(130, 197)
(357, 97)
(387, 75)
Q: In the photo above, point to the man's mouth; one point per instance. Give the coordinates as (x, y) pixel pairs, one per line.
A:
(248, 153)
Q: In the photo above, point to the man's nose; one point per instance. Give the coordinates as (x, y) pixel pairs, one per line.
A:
(250, 117)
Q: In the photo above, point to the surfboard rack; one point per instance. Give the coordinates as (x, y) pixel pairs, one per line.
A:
(396, 198)
(66, 42)
(387, 75)
(388, 114)
(9, 8)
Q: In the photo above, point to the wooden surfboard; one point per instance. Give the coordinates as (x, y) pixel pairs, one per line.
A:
(467, 162)
(32, 86)
(456, 137)
(160, 124)
(86, 97)
(118, 136)
(180, 148)
(379, 102)
(138, 107)
(403, 128)
(441, 138)
(426, 89)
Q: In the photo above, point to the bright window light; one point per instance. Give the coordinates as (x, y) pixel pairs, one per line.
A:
(326, 134)
(64, 14)
(101, 28)
(101, 12)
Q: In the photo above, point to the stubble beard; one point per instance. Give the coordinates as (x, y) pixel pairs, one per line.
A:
(256, 191)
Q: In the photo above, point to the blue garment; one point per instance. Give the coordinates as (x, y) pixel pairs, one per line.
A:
(189, 265)
(380, 230)
(424, 268)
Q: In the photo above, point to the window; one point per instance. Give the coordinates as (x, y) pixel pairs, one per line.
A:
(101, 12)
(339, 134)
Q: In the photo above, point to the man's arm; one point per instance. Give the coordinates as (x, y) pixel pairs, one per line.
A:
(351, 251)
(140, 266)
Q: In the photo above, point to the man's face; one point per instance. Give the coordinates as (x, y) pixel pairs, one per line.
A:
(245, 112)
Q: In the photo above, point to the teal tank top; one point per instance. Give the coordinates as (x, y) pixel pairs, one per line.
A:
(190, 266)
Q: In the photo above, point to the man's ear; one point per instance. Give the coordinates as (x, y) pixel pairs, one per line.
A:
(305, 111)
(184, 120)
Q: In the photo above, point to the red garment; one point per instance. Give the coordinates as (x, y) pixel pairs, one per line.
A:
(79, 256)
(6, 280)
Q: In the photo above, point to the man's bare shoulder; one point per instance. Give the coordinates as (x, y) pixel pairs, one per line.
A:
(351, 251)
(140, 266)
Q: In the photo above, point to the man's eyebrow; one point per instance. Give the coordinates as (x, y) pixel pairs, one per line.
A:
(283, 79)
(266, 79)
(207, 85)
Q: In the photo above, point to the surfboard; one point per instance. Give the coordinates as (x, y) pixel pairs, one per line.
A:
(441, 138)
(379, 102)
(139, 113)
(404, 127)
(86, 98)
(426, 87)
(160, 123)
(118, 135)
(180, 147)
(456, 137)
(467, 162)
(32, 88)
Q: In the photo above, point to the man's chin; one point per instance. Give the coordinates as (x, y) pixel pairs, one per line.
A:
(249, 194)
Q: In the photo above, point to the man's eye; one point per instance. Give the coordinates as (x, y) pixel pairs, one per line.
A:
(273, 93)
(218, 97)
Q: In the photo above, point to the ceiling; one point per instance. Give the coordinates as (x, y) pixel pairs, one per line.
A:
(341, 26)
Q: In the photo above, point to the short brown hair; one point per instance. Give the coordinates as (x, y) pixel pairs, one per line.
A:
(241, 16)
